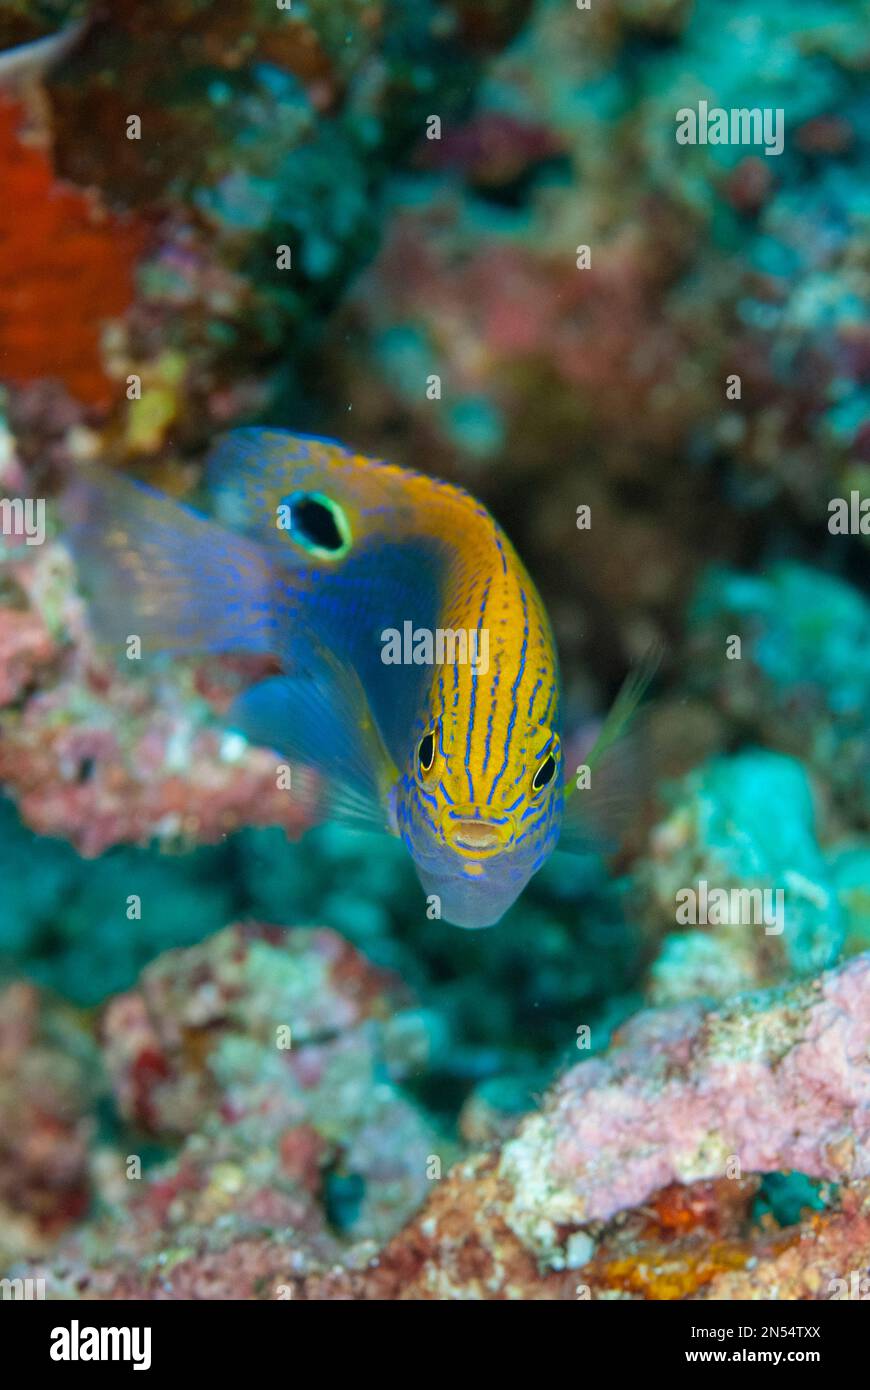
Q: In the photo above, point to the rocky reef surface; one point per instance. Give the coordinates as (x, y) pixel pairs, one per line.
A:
(307, 219)
(268, 1148)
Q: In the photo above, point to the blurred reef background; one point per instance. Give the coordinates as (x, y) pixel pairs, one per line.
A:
(149, 253)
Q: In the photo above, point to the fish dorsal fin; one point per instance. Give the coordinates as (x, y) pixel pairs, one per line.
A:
(156, 569)
(388, 566)
(252, 473)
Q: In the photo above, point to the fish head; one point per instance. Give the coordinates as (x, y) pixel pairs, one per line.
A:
(480, 820)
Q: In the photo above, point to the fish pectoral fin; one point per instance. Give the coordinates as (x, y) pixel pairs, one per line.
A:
(319, 718)
(620, 769)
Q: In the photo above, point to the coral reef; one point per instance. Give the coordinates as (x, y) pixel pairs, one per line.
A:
(47, 1121)
(278, 1059)
(369, 221)
(721, 833)
(272, 1062)
(802, 683)
(683, 1077)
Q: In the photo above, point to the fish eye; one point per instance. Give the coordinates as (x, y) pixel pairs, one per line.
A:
(544, 774)
(426, 752)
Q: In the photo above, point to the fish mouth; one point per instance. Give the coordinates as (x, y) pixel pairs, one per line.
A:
(472, 834)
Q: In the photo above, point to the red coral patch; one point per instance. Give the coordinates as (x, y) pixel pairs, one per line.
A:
(66, 268)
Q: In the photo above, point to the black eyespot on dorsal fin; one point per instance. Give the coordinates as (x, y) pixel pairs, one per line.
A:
(315, 522)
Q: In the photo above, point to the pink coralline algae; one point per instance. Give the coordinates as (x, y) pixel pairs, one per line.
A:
(768, 1082)
(26, 649)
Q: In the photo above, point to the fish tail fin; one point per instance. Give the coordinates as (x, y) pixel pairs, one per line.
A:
(152, 567)
(619, 766)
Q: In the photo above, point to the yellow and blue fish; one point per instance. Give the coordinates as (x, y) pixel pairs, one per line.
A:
(329, 561)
